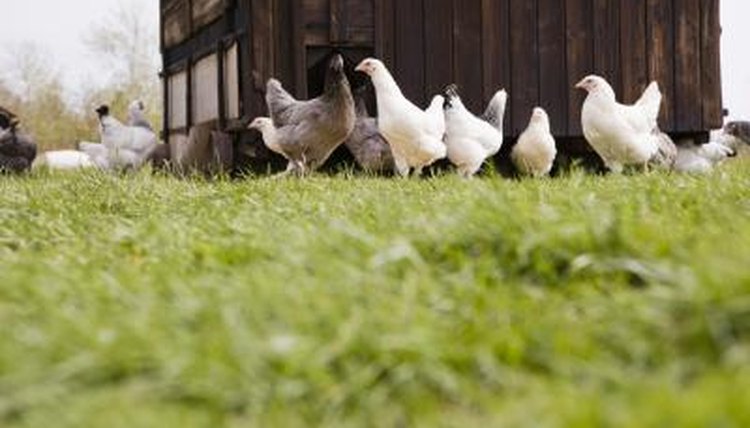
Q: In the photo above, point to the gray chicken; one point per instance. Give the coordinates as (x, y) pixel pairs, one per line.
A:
(311, 130)
(369, 148)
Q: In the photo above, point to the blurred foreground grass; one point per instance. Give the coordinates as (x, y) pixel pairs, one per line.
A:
(148, 301)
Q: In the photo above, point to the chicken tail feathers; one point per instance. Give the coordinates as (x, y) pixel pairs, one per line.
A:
(650, 101)
(279, 102)
(436, 117)
(452, 99)
(495, 112)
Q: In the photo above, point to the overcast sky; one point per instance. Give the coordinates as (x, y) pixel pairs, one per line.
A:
(60, 25)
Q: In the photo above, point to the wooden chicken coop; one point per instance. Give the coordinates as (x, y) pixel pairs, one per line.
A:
(218, 55)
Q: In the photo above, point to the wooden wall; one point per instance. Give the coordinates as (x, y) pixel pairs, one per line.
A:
(539, 49)
(536, 49)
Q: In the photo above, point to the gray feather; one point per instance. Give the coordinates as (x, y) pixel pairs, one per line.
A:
(369, 148)
(311, 130)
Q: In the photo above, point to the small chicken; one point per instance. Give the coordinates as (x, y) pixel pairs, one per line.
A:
(535, 151)
(369, 148)
(415, 135)
(471, 140)
(276, 139)
(309, 131)
(698, 159)
(620, 134)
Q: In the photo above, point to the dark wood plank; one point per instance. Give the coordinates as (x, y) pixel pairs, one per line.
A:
(408, 66)
(467, 52)
(283, 45)
(338, 21)
(524, 95)
(261, 51)
(495, 49)
(176, 27)
(438, 46)
(384, 30)
(580, 56)
(633, 50)
(245, 43)
(711, 65)
(553, 86)
(606, 40)
(660, 27)
(688, 94)
(205, 12)
(298, 50)
(359, 22)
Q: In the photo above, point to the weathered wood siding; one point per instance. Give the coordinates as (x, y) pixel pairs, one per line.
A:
(539, 49)
(536, 49)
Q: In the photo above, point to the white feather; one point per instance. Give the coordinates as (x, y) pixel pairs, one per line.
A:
(63, 160)
(469, 139)
(415, 135)
(620, 134)
(701, 159)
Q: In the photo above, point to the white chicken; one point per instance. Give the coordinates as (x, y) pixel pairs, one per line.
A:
(63, 160)
(620, 134)
(98, 153)
(415, 135)
(535, 151)
(701, 159)
(128, 147)
(471, 140)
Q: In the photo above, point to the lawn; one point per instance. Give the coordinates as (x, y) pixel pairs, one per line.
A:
(147, 301)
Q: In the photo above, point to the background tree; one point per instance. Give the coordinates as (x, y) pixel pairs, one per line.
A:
(37, 96)
(125, 43)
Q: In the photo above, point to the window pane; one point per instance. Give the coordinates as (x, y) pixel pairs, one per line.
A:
(205, 90)
(177, 100)
(232, 83)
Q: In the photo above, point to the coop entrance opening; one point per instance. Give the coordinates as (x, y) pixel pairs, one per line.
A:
(317, 65)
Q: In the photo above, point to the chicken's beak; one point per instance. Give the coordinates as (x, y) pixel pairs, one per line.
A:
(582, 84)
(361, 67)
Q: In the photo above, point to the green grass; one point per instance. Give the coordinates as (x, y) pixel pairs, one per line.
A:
(149, 301)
